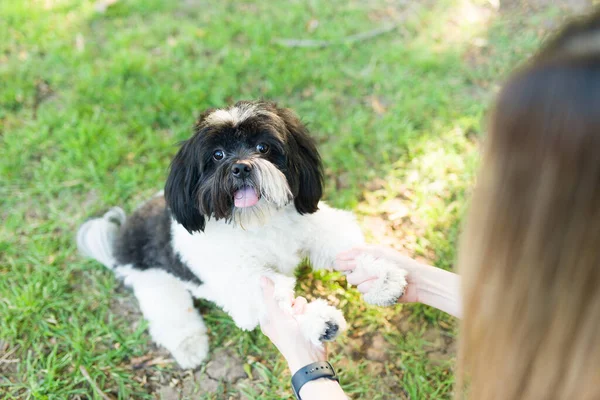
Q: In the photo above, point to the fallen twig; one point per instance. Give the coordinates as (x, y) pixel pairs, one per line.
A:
(346, 40)
(148, 361)
(93, 384)
(4, 358)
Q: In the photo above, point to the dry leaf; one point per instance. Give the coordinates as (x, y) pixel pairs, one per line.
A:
(79, 42)
(312, 25)
(159, 361)
(308, 92)
(136, 361)
(377, 106)
(148, 361)
(102, 5)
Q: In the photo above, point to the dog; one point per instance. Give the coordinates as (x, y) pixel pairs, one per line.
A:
(241, 201)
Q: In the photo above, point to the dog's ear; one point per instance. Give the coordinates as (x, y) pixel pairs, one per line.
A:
(304, 164)
(182, 186)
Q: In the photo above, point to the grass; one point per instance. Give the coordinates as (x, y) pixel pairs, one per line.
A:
(92, 105)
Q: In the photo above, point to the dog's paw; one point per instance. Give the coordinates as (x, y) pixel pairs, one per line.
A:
(321, 322)
(192, 351)
(391, 280)
(331, 331)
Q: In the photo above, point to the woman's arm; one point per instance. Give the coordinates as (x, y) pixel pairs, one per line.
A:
(322, 389)
(439, 288)
(426, 284)
(284, 331)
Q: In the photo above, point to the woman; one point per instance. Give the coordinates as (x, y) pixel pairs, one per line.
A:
(530, 254)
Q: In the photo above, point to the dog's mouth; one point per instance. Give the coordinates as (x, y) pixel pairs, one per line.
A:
(246, 196)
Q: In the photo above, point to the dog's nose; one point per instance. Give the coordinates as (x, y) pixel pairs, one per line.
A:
(241, 170)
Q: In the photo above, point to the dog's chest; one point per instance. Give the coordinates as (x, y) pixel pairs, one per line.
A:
(226, 253)
(278, 249)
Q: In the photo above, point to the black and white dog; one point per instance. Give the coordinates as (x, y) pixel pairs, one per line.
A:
(242, 200)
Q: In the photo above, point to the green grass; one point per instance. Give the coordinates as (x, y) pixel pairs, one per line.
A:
(92, 105)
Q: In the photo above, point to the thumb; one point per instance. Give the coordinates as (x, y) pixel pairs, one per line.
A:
(266, 285)
(268, 290)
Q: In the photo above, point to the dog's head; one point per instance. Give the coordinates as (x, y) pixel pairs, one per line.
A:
(242, 163)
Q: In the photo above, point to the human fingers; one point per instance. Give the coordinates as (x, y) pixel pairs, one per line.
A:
(359, 276)
(350, 254)
(376, 251)
(344, 265)
(299, 305)
(268, 290)
(367, 285)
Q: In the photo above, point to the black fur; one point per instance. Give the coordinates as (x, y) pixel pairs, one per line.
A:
(198, 187)
(305, 169)
(145, 242)
(182, 186)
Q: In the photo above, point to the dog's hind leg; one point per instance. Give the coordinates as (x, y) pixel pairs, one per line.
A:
(173, 320)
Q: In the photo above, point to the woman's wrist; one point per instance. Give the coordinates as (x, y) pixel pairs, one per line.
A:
(298, 361)
(438, 288)
(323, 388)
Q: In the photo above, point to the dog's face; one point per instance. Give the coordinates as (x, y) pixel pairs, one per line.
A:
(241, 163)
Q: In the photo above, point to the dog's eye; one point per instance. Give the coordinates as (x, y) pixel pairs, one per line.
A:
(262, 148)
(218, 155)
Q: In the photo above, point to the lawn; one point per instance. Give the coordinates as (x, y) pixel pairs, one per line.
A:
(92, 104)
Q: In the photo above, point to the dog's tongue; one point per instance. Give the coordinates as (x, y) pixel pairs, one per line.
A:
(245, 197)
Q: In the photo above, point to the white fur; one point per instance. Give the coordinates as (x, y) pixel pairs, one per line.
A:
(226, 256)
(273, 184)
(237, 114)
(95, 237)
(233, 115)
(274, 194)
(313, 322)
(390, 283)
(230, 259)
(167, 306)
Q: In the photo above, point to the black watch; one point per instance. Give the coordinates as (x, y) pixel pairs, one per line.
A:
(321, 369)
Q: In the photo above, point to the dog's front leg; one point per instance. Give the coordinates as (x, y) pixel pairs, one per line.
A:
(329, 232)
(319, 323)
(333, 231)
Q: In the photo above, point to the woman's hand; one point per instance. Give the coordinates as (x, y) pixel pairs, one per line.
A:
(346, 262)
(284, 331)
(425, 284)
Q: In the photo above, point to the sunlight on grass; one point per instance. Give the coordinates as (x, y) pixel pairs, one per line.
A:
(93, 103)
(423, 196)
(467, 22)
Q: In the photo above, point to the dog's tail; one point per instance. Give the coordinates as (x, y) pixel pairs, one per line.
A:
(95, 238)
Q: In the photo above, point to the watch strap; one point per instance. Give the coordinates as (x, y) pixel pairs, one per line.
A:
(317, 370)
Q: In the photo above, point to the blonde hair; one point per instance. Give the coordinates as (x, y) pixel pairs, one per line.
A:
(530, 253)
